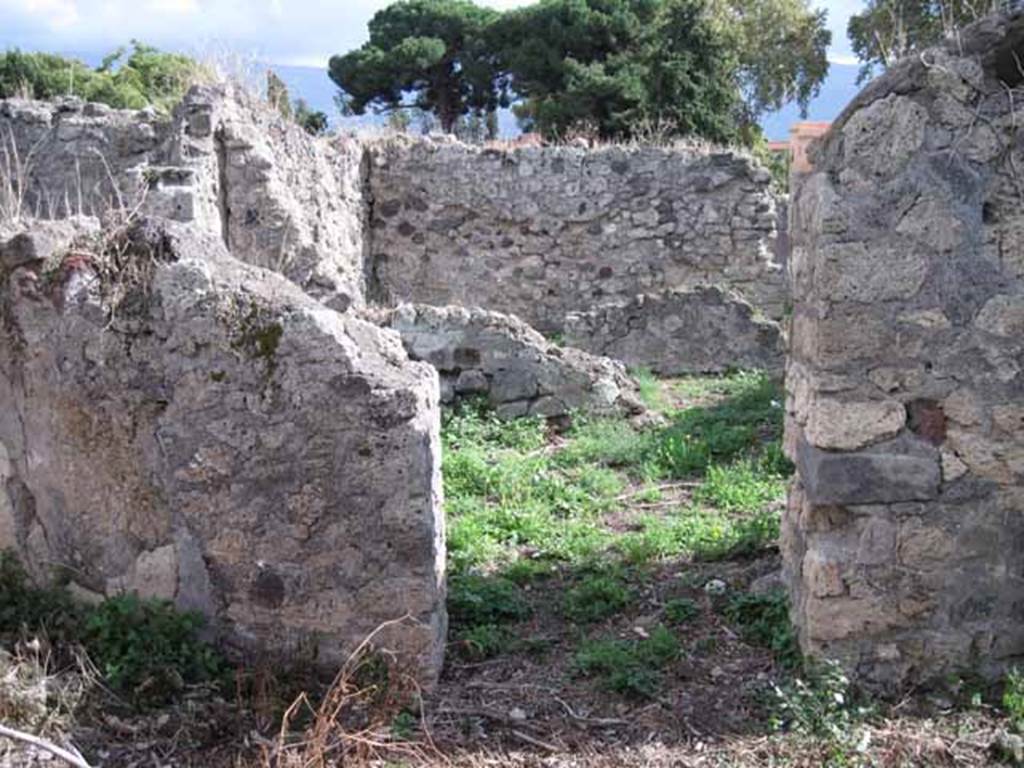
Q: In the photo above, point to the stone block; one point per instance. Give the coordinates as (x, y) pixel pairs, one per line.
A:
(902, 469)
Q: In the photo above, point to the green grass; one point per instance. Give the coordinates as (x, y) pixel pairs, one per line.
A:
(1013, 699)
(650, 389)
(631, 667)
(508, 490)
(524, 505)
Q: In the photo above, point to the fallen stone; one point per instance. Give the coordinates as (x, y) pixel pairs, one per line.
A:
(520, 372)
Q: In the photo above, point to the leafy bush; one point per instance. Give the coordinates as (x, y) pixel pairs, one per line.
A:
(145, 649)
(681, 610)
(820, 704)
(148, 649)
(147, 77)
(481, 600)
(26, 609)
(484, 641)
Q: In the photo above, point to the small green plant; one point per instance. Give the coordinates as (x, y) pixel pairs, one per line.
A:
(148, 649)
(764, 620)
(1013, 698)
(819, 704)
(596, 597)
(144, 649)
(485, 641)
(475, 600)
(26, 609)
(631, 668)
(404, 726)
(681, 610)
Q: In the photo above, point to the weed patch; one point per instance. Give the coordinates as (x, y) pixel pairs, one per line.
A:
(632, 668)
(595, 598)
(1013, 699)
(764, 620)
(145, 649)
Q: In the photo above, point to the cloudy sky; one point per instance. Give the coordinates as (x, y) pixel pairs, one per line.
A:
(278, 31)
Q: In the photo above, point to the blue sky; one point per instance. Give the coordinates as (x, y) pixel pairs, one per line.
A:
(290, 32)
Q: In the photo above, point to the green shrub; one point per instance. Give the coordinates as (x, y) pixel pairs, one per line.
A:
(484, 641)
(27, 610)
(145, 649)
(764, 620)
(148, 649)
(1013, 698)
(481, 600)
(595, 598)
(146, 77)
(629, 667)
(819, 704)
(681, 610)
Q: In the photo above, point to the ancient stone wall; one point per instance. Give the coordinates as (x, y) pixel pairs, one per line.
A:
(541, 232)
(701, 330)
(904, 536)
(535, 232)
(179, 424)
(222, 162)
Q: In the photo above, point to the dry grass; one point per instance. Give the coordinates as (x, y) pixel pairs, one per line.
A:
(36, 700)
(14, 175)
(354, 723)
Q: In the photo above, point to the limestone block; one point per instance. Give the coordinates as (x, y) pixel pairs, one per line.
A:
(866, 273)
(848, 425)
(478, 351)
(1003, 315)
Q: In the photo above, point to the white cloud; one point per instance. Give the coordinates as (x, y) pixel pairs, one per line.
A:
(297, 31)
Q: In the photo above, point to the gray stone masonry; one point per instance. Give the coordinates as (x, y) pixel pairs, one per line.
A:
(701, 330)
(181, 425)
(540, 232)
(500, 358)
(904, 536)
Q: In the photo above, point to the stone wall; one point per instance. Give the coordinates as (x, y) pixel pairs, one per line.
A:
(904, 536)
(222, 162)
(701, 330)
(179, 424)
(535, 232)
(541, 232)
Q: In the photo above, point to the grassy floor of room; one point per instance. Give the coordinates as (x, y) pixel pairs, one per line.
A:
(613, 602)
